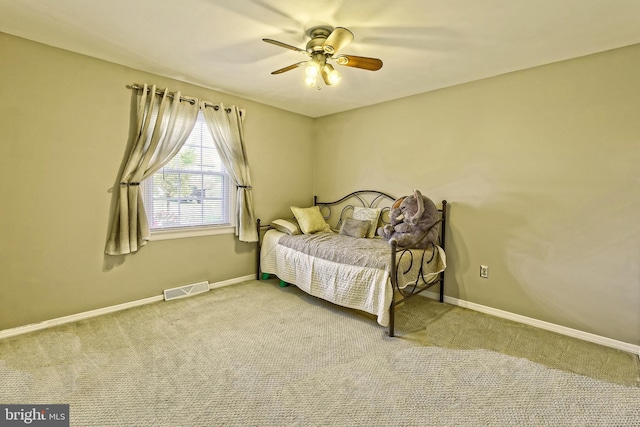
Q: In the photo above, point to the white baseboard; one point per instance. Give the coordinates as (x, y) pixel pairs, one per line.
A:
(105, 310)
(597, 339)
(231, 281)
(586, 336)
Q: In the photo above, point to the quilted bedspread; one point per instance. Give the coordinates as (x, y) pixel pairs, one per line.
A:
(347, 271)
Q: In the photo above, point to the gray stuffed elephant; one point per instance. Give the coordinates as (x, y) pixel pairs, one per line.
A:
(411, 217)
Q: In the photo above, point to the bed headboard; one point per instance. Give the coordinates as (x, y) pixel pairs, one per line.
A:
(335, 212)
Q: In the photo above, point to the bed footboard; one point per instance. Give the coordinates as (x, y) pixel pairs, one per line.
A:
(396, 257)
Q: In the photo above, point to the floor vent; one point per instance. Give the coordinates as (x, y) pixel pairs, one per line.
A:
(186, 291)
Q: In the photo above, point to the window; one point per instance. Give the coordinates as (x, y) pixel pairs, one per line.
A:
(193, 190)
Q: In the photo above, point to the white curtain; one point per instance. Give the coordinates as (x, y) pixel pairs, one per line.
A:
(164, 122)
(225, 124)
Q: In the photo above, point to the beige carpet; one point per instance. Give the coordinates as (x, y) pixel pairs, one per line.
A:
(257, 354)
(428, 322)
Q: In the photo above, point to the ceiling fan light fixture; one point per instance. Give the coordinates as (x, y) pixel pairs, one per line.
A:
(310, 81)
(312, 69)
(330, 75)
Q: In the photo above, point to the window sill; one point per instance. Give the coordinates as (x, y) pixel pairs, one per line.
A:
(181, 233)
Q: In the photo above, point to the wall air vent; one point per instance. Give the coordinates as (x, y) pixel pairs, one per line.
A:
(186, 291)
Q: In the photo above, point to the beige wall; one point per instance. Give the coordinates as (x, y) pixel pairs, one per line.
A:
(64, 124)
(541, 170)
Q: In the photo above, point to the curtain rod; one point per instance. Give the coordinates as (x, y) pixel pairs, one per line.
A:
(161, 92)
(182, 98)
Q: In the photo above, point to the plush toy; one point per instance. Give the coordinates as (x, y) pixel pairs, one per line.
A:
(411, 217)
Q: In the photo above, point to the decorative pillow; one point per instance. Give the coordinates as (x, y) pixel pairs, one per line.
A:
(286, 226)
(368, 214)
(355, 227)
(310, 219)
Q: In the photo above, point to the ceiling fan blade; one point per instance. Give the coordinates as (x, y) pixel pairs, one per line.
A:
(290, 67)
(287, 46)
(372, 64)
(339, 38)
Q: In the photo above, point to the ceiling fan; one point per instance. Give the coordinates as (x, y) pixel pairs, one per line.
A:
(324, 45)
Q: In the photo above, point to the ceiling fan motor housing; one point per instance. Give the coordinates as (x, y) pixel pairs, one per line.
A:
(318, 37)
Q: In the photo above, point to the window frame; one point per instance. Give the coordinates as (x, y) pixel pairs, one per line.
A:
(186, 231)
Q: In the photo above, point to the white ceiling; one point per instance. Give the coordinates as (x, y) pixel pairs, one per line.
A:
(424, 44)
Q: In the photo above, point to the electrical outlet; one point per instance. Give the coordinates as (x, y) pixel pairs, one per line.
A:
(484, 271)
